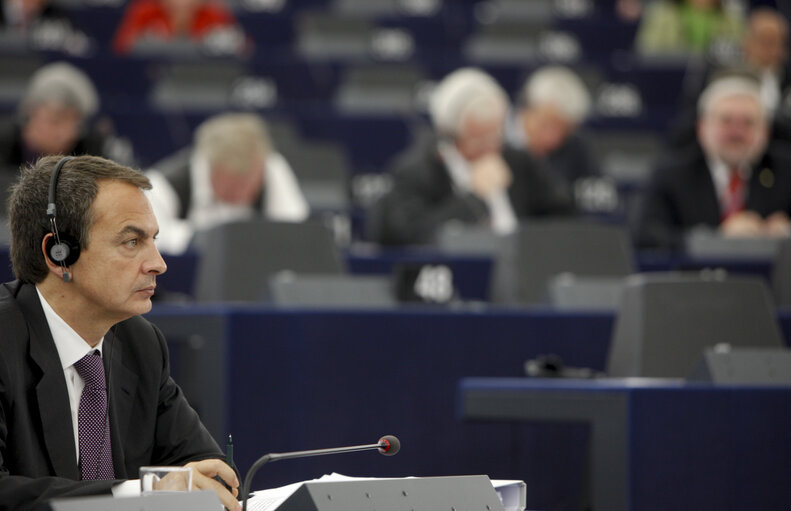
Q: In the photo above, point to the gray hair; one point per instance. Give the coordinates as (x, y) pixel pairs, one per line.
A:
(63, 84)
(234, 139)
(728, 86)
(560, 87)
(465, 92)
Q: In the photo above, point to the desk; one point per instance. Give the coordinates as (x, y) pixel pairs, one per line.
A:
(660, 444)
(304, 379)
(288, 379)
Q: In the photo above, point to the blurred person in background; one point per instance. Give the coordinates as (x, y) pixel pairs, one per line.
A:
(462, 173)
(765, 55)
(164, 21)
(41, 25)
(24, 15)
(231, 173)
(732, 181)
(55, 118)
(682, 27)
(555, 103)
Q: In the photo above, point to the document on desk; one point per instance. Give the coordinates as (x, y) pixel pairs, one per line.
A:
(511, 493)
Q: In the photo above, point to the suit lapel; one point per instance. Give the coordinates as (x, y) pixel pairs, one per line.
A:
(709, 202)
(53, 398)
(122, 385)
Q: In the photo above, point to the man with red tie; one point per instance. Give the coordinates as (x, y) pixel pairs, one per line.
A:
(731, 181)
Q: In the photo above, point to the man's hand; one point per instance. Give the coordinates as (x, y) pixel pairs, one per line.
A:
(203, 474)
(746, 224)
(489, 174)
(778, 225)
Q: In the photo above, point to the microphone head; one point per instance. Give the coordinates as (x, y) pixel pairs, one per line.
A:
(389, 445)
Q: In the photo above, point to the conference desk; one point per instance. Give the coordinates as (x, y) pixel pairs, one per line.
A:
(294, 379)
(659, 444)
(282, 380)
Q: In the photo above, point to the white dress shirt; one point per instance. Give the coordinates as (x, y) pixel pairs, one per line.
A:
(721, 176)
(71, 348)
(283, 201)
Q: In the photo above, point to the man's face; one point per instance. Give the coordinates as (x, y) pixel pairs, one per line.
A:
(52, 129)
(546, 129)
(235, 187)
(480, 136)
(766, 44)
(115, 275)
(734, 130)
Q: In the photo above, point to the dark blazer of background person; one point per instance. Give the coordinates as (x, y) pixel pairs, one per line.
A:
(423, 198)
(12, 154)
(680, 195)
(150, 420)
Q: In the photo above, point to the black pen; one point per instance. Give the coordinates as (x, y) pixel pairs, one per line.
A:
(229, 453)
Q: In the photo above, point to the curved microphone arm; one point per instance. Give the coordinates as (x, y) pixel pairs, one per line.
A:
(387, 445)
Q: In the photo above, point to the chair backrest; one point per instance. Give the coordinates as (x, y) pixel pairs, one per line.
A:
(666, 320)
(237, 259)
(289, 289)
(781, 274)
(540, 250)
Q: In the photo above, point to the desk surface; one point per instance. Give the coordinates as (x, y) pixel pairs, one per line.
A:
(658, 444)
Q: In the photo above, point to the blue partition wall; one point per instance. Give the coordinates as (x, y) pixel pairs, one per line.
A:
(309, 379)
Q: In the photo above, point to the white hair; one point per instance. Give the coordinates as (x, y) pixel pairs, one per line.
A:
(727, 87)
(63, 84)
(465, 92)
(560, 87)
(237, 140)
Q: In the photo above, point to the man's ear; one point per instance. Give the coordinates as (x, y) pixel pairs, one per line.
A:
(52, 266)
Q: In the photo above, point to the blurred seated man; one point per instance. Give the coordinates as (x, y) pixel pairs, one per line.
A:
(554, 104)
(730, 182)
(232, 173)
(54, 118)
(42, 26)
(173, 20)
(764, 54)
(463, 173)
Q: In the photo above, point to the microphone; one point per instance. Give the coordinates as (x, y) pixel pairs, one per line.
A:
(387, 445)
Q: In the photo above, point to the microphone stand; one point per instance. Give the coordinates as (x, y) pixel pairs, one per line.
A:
(387, 445)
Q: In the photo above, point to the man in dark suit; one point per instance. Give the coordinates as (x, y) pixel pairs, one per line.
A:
(462, 174)
(764, 55)
(85, 274)
(729, 182)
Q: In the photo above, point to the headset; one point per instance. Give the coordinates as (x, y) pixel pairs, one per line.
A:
(62, 249)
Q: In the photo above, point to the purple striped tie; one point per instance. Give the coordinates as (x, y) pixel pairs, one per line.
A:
(93, 422)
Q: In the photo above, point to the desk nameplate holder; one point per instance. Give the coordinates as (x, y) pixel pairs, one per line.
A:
(455, 493)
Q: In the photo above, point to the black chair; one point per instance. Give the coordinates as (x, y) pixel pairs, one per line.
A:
(237, 259)
(667, 320)
(289, 289)
(540, 250)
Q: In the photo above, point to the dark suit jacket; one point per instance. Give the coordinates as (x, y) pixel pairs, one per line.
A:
(12, 155)
(423, 198)
(681, 195)
(151, 422)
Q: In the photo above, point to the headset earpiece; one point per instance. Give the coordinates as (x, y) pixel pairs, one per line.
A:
(62, 249)
(65, 252)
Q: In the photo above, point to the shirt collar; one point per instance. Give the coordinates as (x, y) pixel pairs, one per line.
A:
(71, 347)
